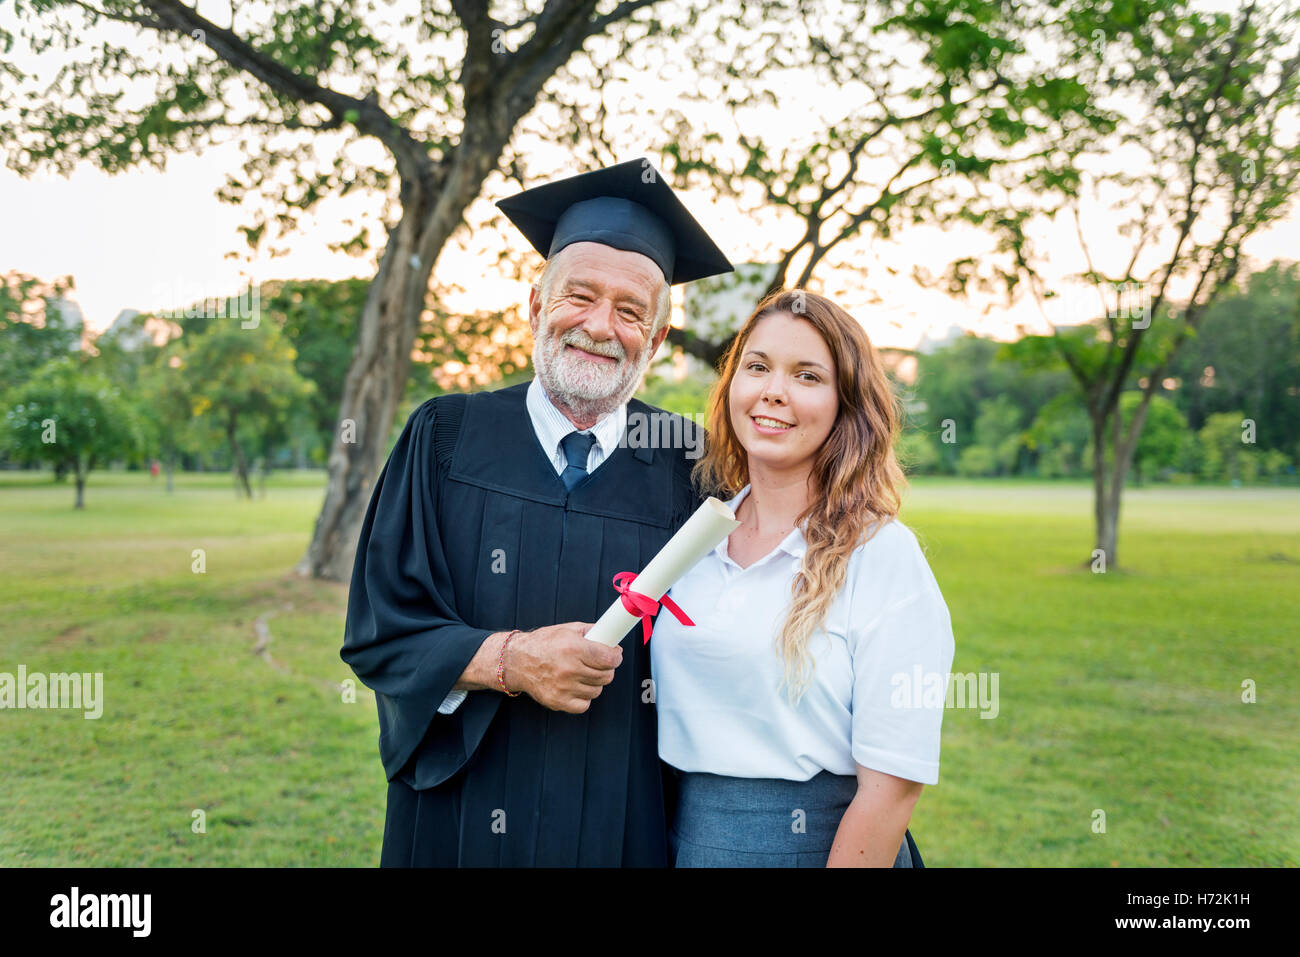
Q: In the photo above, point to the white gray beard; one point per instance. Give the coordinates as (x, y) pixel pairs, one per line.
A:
(586, 389)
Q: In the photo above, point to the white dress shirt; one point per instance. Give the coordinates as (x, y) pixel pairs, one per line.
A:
(550, 425)
(716, 684)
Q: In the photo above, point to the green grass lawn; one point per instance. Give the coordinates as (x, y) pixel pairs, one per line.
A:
(1118, 692)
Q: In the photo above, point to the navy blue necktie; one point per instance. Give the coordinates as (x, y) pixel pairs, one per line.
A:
(576, 447)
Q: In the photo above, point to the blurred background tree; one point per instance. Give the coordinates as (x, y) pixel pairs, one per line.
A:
(243, 379)
(69, 414)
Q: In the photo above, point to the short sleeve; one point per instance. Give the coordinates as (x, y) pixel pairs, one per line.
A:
(902, 648)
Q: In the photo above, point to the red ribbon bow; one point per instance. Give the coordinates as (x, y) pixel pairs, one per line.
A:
(644, 606)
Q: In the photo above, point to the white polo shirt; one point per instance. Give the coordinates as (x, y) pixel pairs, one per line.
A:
(716, 684)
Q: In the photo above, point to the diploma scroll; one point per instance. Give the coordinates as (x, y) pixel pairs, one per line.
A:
(703, 531)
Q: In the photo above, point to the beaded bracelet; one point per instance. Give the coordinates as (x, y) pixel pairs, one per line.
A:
(501, 661)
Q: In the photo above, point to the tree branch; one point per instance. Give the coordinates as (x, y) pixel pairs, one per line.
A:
(119, 17)
(621, 12)
(412, 158)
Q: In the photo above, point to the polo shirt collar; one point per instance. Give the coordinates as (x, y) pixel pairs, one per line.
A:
(793, 544)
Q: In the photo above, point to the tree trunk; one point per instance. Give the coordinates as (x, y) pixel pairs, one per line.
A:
(81, 488)
(170, 468)
(264, 473)
(241, 463)
(1108, 477)
(1115, 483)
(1103, 519)
(376, 377)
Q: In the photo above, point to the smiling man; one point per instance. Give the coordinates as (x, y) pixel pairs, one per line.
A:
(590, 359)
(488, 548)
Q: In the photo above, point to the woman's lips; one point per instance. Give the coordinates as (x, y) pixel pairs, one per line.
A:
(769, 429)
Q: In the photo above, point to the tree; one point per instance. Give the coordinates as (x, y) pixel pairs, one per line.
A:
(319, 319)
(33, 330)
(125, 349)
(916, 453)
(68, 415)
(976, 460)
(954, 385)
(1226, 452)
(998, 428)
(1211, 156)
(1246, 356)
(165, 394)
(243, 376)
(950, 385)
(924, 101)
(441, 90)
(1162, 437)
(1058, 437)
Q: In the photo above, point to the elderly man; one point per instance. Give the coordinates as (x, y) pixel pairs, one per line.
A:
(489, 545)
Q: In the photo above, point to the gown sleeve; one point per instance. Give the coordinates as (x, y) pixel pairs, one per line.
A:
(403, 637)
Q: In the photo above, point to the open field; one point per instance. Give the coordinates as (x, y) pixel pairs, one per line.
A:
(1119, 692)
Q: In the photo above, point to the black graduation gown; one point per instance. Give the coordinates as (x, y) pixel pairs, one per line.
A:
(470, 531)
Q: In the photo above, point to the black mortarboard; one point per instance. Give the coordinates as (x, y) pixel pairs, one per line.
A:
(629, 206)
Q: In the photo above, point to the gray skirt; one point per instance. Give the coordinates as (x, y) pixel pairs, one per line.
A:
(762, 822)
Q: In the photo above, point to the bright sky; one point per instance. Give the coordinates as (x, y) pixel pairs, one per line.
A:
(149, 240)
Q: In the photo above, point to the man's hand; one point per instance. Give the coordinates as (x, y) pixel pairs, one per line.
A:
(559, 668)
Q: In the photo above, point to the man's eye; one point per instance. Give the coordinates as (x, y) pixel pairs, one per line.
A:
(580, 297)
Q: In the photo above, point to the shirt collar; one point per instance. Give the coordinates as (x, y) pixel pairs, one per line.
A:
(552, 425)
(793, 544)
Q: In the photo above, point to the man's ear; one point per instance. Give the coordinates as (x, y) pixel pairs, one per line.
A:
(658, 339)
(534, 309)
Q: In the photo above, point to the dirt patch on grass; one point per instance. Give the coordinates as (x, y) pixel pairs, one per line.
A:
(155, 635)
(72, 635)
(305, 595)
(1282, 558)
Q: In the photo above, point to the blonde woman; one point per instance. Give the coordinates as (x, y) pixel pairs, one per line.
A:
(784, 710)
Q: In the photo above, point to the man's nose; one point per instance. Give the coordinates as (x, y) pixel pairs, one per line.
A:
(599, 320)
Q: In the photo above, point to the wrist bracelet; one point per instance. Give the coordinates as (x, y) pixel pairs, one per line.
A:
(501, 662)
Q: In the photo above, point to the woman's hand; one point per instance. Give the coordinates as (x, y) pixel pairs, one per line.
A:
(872, 829)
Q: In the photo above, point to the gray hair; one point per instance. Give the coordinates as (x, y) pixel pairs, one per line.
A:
(662, 306)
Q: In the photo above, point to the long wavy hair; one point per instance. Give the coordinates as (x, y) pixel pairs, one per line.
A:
(857, 481)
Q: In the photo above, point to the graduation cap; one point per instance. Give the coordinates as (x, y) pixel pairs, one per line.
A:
(628, 206)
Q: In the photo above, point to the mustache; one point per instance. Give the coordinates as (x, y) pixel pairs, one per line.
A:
(576, 337)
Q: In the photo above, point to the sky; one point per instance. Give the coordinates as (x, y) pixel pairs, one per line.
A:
(149, 239)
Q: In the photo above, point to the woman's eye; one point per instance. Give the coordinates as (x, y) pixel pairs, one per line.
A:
(755, 367)
(812, 377)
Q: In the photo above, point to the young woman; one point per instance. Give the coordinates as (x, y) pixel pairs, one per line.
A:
(789, 710)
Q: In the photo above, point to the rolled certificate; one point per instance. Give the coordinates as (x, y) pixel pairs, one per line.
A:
(711, 523)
